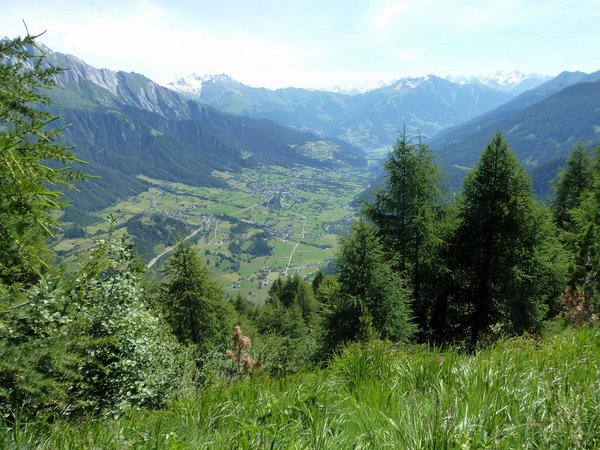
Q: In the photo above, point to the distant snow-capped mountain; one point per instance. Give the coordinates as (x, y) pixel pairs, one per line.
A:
(369, 118)
(358, 87)
(514, 82)
(404, 84)
(193, 85)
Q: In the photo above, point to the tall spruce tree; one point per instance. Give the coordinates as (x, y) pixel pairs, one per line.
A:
(32, 166)
(293, 290)
(573, 181)
(508, 258)
(404, 212)
(192, 302)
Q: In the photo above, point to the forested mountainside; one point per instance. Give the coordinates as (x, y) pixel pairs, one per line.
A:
(541, 125)
(125, 125)
(454, 119)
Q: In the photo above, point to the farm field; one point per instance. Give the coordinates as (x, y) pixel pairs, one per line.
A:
(270, 222)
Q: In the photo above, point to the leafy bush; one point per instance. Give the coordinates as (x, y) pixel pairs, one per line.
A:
(88, 342)
(131, 358)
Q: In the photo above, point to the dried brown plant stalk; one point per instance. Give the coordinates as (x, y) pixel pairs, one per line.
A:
(239, 354)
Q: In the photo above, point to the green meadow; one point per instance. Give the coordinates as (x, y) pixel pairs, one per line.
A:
(520, 393)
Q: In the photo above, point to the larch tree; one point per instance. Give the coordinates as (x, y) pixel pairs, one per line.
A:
(573, 181)
(507, 255)
(581, 300)
(404, 212)
(33, 167)
(369, 292)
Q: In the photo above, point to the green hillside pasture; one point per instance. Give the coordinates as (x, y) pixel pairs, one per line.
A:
(521, 393)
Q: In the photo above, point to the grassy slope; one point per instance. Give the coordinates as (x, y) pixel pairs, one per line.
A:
(521, 393)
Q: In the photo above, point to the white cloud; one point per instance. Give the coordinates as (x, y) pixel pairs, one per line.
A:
(269, 43)
(387, 15)
(147, 38)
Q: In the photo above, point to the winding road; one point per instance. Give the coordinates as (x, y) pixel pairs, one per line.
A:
(295, 247)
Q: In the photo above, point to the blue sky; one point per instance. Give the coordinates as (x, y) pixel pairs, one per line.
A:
(311, 43)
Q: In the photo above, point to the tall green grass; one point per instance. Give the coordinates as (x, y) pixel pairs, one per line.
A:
(519, 394)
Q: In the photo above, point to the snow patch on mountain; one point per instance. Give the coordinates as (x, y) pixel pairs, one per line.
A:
(410, 83)
(192, 85)
(357, 88)
(514, 82)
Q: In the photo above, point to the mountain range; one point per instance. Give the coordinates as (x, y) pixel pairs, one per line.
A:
(541, 126)
(458, 115)
(514, 82)
(125, 125)
(370, 120)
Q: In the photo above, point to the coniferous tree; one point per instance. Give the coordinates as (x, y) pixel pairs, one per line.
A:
(192, 302)
(404, 213)
(507, 258)
(294, 291)
(368, 286)
(581, 299)
(317, 280)
(241, 305)
(289, 326)
(572, 183)
(32, 165)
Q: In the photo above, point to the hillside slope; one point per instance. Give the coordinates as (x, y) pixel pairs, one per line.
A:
(125, 125)
(540, 133)
(521, 393)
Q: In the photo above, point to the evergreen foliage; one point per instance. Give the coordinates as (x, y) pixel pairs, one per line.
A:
(507, 259)
(567, 115)
(259, 245)
(32, 165)
(581, 299)
(192, 303)
(573, 181)
(367, 285)
(404, 212)
(148, 231)
(293, 290)
(290, 326)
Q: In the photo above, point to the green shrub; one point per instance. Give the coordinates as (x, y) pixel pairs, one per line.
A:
(88, 342)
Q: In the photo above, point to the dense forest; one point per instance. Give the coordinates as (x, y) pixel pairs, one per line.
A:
(422, 268)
